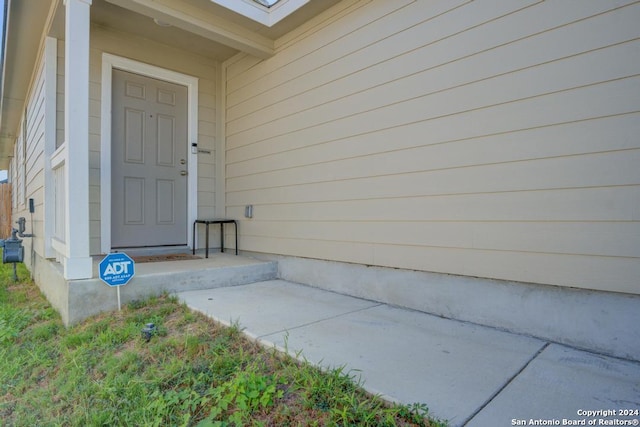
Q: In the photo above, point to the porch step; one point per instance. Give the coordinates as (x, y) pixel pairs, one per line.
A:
(91, 296)
(219, 270)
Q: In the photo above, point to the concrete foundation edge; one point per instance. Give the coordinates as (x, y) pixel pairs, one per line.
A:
(50, 279)
(104, 298)
(77, 300)
(601, 322)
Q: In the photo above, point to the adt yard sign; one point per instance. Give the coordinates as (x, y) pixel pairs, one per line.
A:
(116, 269)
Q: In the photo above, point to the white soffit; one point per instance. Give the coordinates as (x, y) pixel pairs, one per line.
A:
(181, 15)
(268, 16)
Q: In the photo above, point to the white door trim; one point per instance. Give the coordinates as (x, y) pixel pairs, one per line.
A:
(109, 62)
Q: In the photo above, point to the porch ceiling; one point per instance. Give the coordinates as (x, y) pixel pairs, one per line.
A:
(21, 46)
(203, 27)
(114, 17)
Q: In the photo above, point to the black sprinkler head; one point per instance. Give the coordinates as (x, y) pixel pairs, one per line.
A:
(148, 331)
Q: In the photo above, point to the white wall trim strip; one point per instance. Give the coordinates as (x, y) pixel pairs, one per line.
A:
(50, 79)
(77, 260)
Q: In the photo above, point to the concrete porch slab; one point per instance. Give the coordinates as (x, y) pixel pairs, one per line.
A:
(562, 384)
(408, 356)
(404, 355)
(273, 306)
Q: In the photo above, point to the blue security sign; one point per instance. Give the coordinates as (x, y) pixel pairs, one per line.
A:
(117, 269)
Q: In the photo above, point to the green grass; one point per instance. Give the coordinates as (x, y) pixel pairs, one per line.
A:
(192, 372)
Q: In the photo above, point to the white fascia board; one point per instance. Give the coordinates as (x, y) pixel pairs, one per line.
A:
(268, 16)
(178, 16)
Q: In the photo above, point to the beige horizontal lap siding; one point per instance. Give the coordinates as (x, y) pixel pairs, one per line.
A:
(28, 164)
(150, 52)
(493, 139)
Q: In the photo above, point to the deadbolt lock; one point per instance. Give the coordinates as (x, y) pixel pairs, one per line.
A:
(183, 161)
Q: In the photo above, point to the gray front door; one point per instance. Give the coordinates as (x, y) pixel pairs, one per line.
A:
(148, 162)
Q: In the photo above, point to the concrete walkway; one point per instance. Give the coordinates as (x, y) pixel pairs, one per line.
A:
(467, 374)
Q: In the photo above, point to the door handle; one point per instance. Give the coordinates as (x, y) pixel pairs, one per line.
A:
(183, 173)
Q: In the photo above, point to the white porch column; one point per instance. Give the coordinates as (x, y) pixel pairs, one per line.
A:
(77, 261)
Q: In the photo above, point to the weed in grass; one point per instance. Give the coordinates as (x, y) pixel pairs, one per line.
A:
(46, 313)
(190, 317)
(12, 322)
(414, 412)
(136, 304)
(321, 388)
(44, 331)
(6, 273)
(235, 400)
(73, 339)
